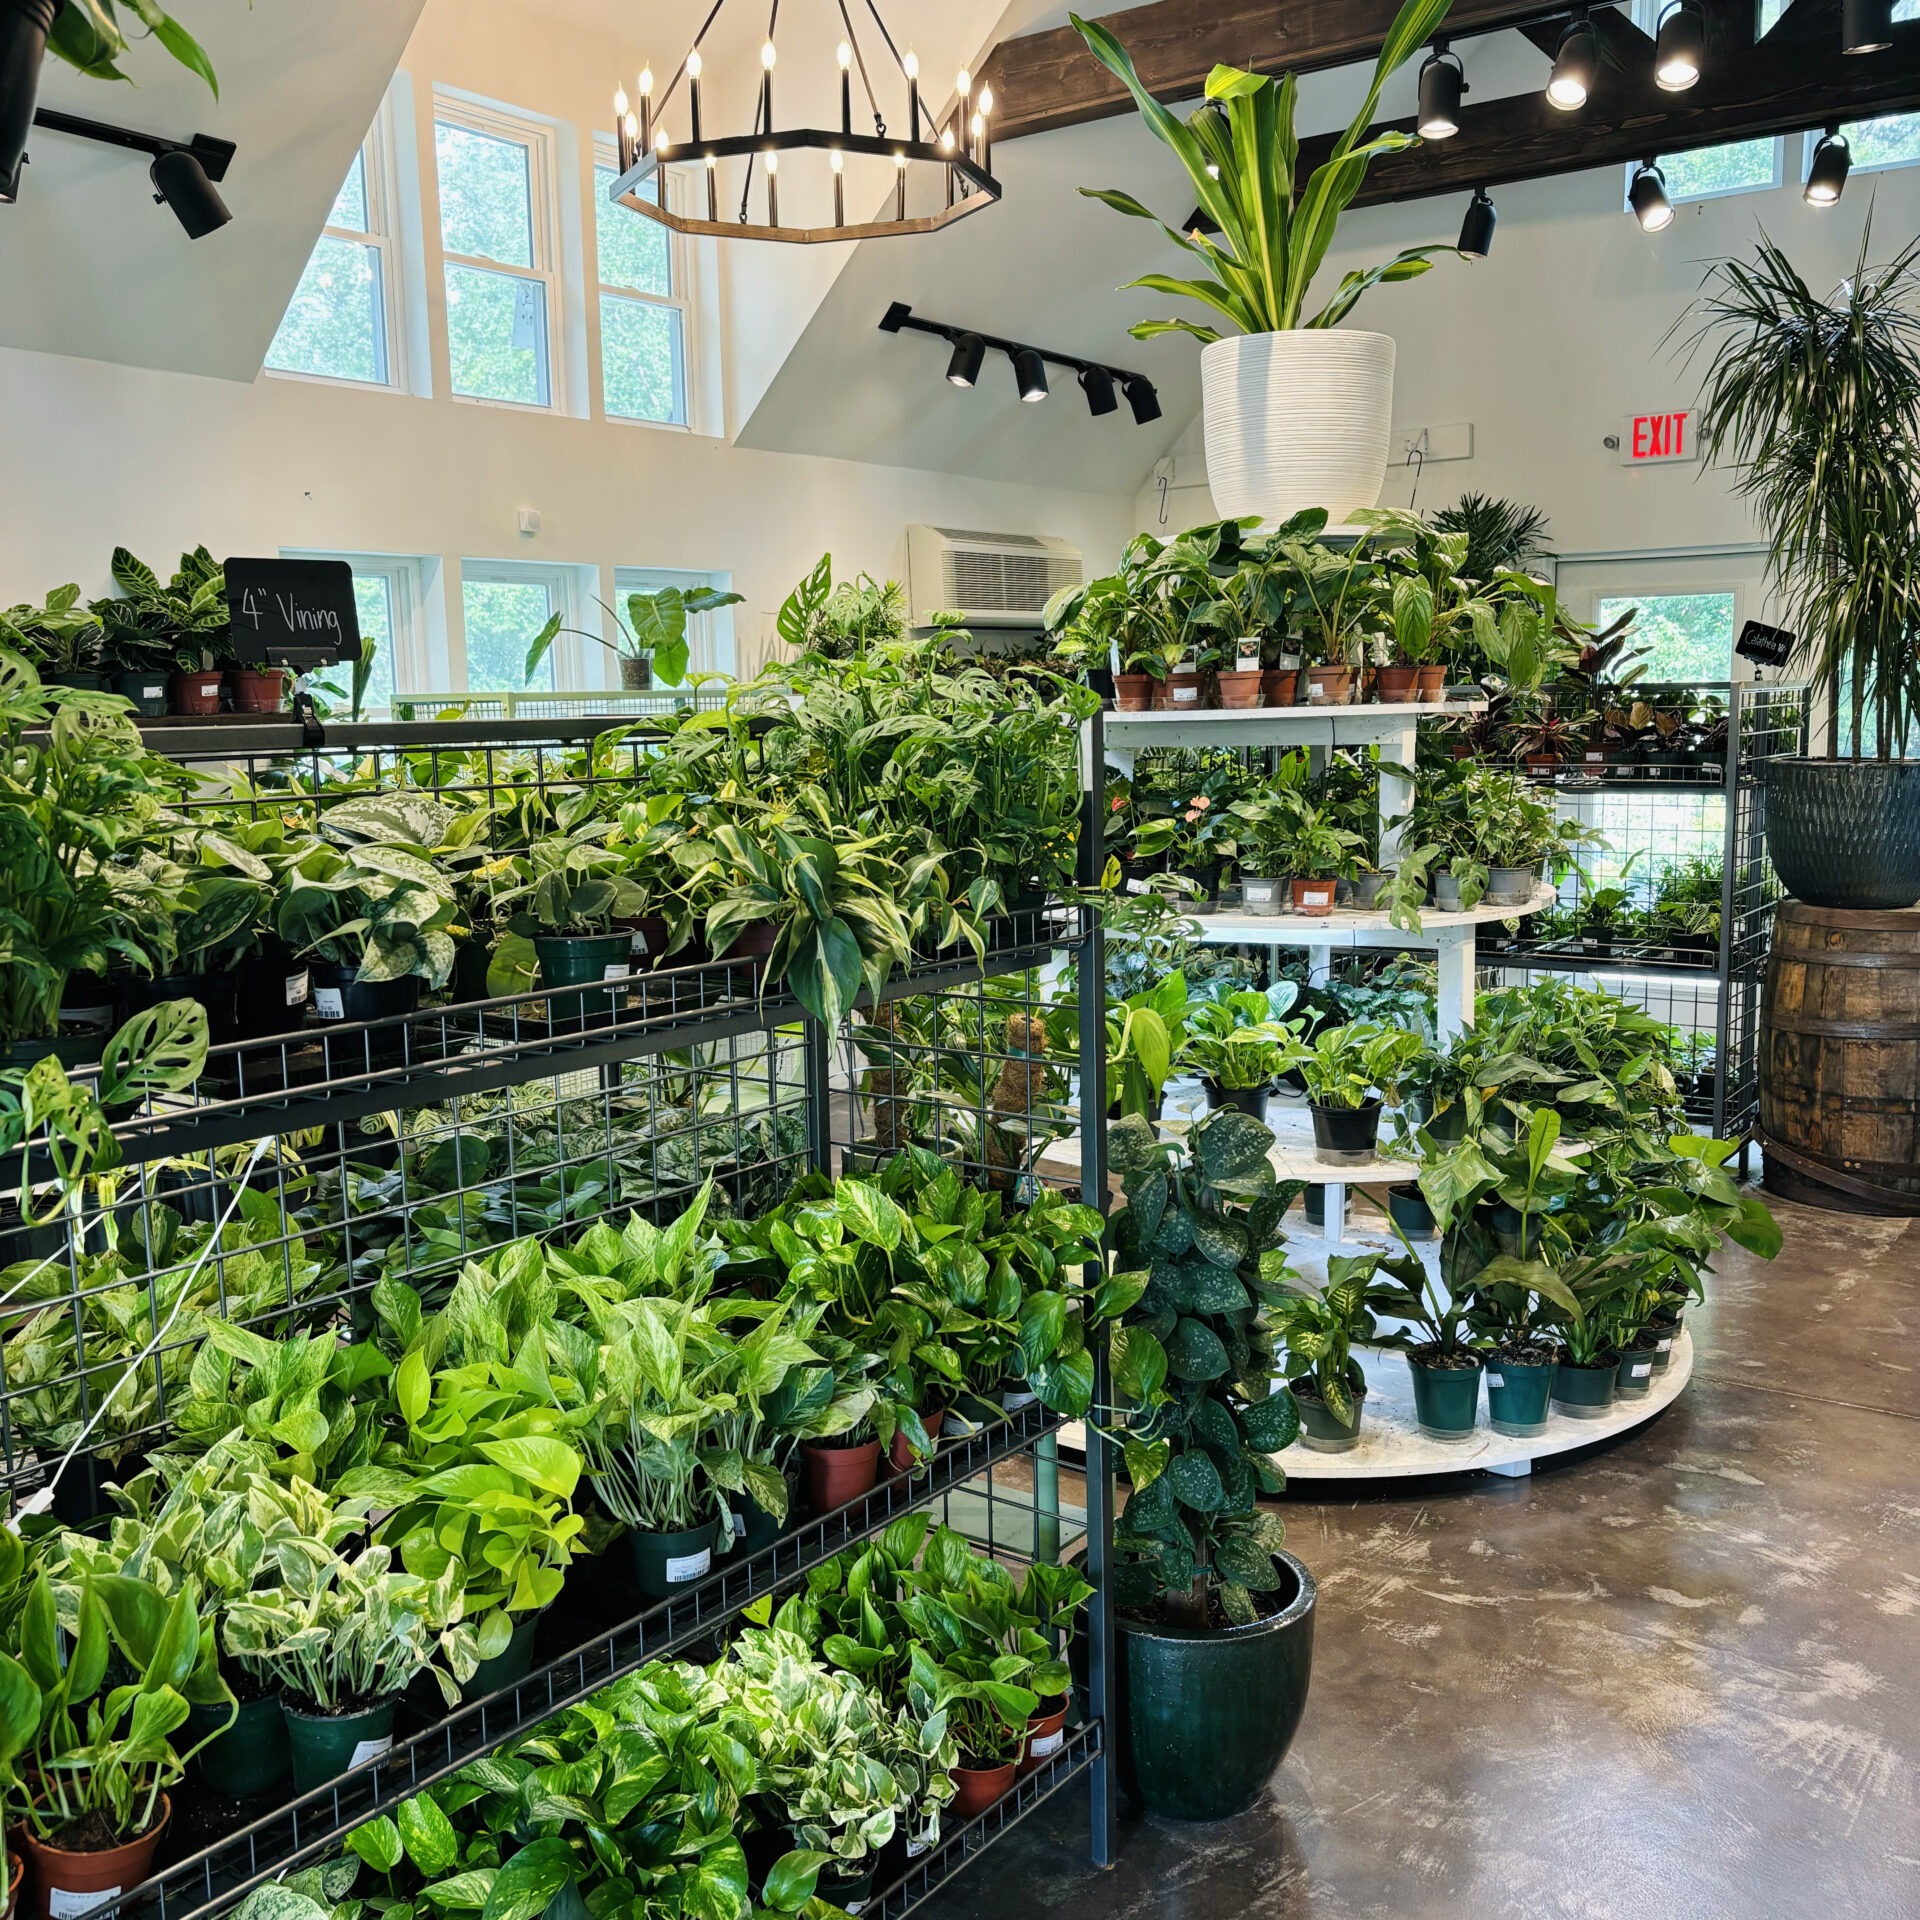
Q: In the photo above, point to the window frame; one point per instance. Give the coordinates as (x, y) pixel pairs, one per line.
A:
(708, 634)
(1586, 579)
(564, 596)
(383, 228)
(408, 611)
(544, 235)
(680, 277)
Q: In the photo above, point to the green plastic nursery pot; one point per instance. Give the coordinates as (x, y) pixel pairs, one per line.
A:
(70, 1049)
(1446, 1400)
(1407, 1208)
(1208, 1714)
(514, 1663)
(252, 1757)
(758, 1528)
(664, 1561)
(1666, 1332)
(1517, 1395)
(570, 960)
(326, 1745)
(1584, 1393)
(1321, 1430)
(1634, 1379)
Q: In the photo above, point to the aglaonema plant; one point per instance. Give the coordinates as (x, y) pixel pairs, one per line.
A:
(1193, 1367)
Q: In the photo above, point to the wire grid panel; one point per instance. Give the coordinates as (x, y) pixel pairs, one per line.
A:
(280, 1209)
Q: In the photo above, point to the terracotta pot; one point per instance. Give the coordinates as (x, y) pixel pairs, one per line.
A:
(979, 1788)
(258, 689)
(1313, 897)
(900, 1454)
(1133, 692)
(1432, 682)
(836, 1475)
(1241, 689)
(1280, 686)
(1329, 686)
(1046, 1734)
(59, 1875)
(194, 693)
(1186, 689)
(1398, 684)
(1159, 701)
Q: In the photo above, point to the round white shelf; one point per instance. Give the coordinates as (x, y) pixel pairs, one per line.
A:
(1392, 1447)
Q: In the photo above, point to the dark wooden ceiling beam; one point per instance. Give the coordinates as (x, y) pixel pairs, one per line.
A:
(1795, 79)
(1046, 80)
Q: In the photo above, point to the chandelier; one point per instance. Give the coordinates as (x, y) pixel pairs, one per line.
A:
(933, 171)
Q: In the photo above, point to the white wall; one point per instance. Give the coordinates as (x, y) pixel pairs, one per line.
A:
(93, 454)
(1546, 344)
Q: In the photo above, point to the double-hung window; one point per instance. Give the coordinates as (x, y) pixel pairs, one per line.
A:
(341, 322)
(504, 605)
(497, 232)
(643, 310)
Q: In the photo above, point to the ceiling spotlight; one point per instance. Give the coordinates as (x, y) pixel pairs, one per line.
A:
(1030, 373)
(1441, 84)
(1681, 48)
(1827, 175)
(1648, 198)
(1866, 26)
(1575, 63)
(181, 182)
(1476, 230)
(969, 350)
(1097, 384)
(1142, 398)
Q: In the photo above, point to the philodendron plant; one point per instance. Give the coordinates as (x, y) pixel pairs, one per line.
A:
(1193, 1366)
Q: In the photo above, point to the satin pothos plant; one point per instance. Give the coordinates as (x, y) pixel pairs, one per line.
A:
(1193, 1366)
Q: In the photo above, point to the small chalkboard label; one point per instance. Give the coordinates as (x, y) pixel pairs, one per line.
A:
(293, 613)
(1764, 646)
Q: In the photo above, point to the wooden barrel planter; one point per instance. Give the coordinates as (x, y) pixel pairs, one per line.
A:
(1840, 1059)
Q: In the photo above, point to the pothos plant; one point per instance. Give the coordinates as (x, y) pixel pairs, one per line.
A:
(1193, 1366)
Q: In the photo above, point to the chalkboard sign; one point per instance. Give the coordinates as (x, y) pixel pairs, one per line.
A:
(1764, 646)
(293, 613)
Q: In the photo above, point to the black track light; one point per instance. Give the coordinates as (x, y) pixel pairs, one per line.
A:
(1441, 84)
(1575, 63)
(969, 351)
(1681, 50)
(1476, 230)
(1029, 373)
(1827, 174)
(1866, 26)
(180, 181)
(1097, 384)
(1647, 196)
(1142, 398)
(24, 26)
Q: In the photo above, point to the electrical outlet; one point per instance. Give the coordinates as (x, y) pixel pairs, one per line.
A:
(1421, 446)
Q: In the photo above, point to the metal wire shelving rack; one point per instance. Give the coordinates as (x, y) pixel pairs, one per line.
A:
(402, 1147)
(1664, 815)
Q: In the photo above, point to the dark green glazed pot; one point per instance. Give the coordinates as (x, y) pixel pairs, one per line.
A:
(251, 1757)
(665, 1562)
(1321, 1430)
(506, 1667)
(1208, 1716)
(325, 1745)
(1584, 1393)
(1517, 1397)
(1446, 1400)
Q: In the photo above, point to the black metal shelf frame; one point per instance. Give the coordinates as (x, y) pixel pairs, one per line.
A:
(592, 1060)
(214, 1878)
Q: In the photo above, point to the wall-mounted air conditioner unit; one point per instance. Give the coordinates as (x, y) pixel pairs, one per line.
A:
(990, 579)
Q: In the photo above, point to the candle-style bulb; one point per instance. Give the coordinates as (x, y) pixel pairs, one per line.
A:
(632, 126)
(646, 83)
(844, 54)
(911, 65)
(620, 103)
(837, 163)
(977, 126)
(768, 56)
(694, 64)
(662, 140)
(986, 99)
(773, 161)
(946, 140)
(964, 84)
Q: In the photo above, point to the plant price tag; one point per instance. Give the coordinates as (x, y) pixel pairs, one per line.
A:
(1640, 1369)
(65, 1904)
(1496, 1379)
(327, 1004)
(689, 1566)
(297, 985)
(1047, 1745)
(618, 971)
(366, 1750)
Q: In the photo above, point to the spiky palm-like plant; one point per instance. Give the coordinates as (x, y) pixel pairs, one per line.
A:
(1502, 535)
(1813, 400)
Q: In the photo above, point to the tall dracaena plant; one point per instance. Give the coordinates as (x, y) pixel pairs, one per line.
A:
(1242, 155)
(1814, 401)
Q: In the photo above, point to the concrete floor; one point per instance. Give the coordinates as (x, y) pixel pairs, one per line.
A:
(1674, 1678)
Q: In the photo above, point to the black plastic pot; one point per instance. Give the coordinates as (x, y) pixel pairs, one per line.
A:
(1846, 833)
(147, 691)
(273, 992)
(1665, 1333)
(1353, 1131)
(1207, 1716)
(339, 995)
(1251, 1100)
(217, 992)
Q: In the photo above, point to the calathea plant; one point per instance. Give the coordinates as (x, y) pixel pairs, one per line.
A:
(1193, 1365)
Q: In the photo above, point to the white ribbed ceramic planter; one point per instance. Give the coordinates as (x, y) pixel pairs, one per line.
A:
(1298, 419)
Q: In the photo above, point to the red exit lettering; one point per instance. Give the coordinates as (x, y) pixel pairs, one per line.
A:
(1660, 436)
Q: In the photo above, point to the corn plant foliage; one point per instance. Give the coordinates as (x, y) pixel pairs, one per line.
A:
(1241, 153)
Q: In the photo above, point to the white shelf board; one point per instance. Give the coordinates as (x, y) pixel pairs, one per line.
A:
(1349, 927)
(1302, 726)
(1392, 1447)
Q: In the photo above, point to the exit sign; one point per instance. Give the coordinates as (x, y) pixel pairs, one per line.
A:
(1648, 439)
